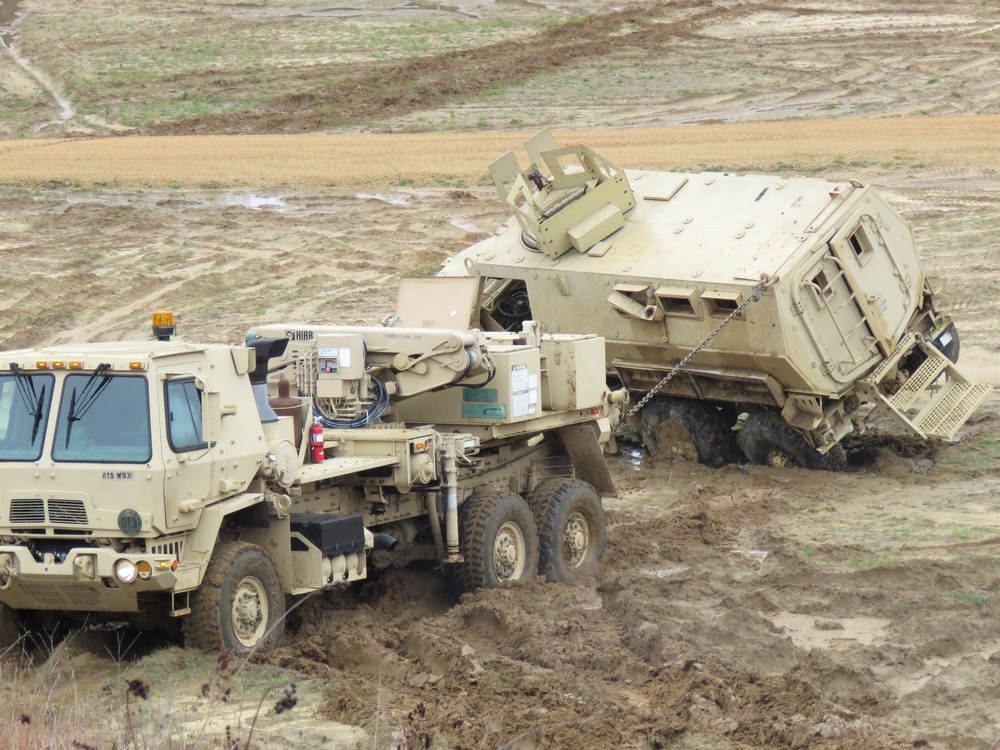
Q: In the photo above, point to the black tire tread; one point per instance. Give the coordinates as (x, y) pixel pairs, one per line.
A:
(765, 429)
(202, 628)
(474, 516)
(712, 439)
(544, 502)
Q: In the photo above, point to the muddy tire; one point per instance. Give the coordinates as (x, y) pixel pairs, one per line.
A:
(768, 440)
(498, 539)
(952, 346)
(678, 428)
(10, 627)
(571, 528)
(240, 605)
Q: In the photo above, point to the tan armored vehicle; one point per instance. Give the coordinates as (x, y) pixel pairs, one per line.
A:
(814, 291)
(162, 479)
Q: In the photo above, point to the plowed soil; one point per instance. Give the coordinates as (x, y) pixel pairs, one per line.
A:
(735, 608)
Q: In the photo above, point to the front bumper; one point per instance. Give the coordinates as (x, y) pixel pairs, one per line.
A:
(84, 580)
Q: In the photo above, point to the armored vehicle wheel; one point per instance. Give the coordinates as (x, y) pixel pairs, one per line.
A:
(10, 626)
(768, 440)
(949, 343)
(240, 605)
(498, 540)
(571, 530)
(678, 428)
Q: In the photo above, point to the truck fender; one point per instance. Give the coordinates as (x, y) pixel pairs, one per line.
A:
(204, 538)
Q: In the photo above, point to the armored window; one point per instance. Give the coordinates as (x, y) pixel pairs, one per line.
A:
(722, 304)
(861, 245)
(678, 302)
(822, 285)
(103, 418)
(184, 425)
(24, 414)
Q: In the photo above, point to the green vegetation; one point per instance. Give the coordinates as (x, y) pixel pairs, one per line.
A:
(876, 560)
(970, 597)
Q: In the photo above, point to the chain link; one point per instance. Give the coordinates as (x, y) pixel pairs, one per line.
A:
(766, 282)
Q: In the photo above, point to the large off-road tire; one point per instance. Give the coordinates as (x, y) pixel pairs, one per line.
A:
(951, 348)
(498, 539)
(767, 439)
(571, 529)
(679, 428)
(10, 627)
(240, 605)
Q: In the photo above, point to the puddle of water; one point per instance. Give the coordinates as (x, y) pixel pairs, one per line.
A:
(464, 225)
(757, 555)
(393, 200)
(342, 11)
(193, 200)
(251, 201)
(664, 572)
(424, 5)
(629, 456)
(810, 631)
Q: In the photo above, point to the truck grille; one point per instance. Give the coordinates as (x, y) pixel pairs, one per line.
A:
(60, 512)
(67, 512)
(27, 511)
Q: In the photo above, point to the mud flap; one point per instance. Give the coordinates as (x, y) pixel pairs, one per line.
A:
(927, 404)
(582, 446)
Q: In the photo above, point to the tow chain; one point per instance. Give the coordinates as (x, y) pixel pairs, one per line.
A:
(765, 283)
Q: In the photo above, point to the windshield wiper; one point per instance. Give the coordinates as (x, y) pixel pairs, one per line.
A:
(88, 396)
(33, 403)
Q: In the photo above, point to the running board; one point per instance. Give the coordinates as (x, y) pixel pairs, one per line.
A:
(924, 405)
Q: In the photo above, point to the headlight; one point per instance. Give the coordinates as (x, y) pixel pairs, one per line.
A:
(125, 571)
(145, 570)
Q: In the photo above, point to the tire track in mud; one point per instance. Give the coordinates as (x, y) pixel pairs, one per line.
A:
(391, 90)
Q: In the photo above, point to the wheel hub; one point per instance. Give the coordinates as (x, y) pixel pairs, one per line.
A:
(249, 612)
(778, 459)
(577, 539)
(508, 553)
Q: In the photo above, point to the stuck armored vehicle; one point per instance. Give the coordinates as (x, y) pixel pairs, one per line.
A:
(800, 303)
(160, 481)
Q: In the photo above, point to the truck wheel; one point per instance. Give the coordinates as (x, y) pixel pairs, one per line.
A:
(498, 540)
(240, 605)
(678, 428)
(951, 347)
(768, 440)
(10, 626)
(571, 530)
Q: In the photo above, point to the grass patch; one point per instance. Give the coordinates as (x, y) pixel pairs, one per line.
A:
(877, 560)
(969, 597)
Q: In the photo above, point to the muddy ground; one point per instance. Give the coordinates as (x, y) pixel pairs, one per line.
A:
(735, 608)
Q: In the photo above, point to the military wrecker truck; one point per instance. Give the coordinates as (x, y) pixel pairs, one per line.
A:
(144, 481)
(794, 307)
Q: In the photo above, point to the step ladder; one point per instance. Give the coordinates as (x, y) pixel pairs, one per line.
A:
(936, 400)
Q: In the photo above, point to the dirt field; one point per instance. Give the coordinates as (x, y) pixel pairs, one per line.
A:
(735, 608)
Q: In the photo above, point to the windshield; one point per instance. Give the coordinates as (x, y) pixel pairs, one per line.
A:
(103, 418)
(24, 414)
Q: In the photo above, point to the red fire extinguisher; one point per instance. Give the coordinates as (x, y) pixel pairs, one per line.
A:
(316, 442)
